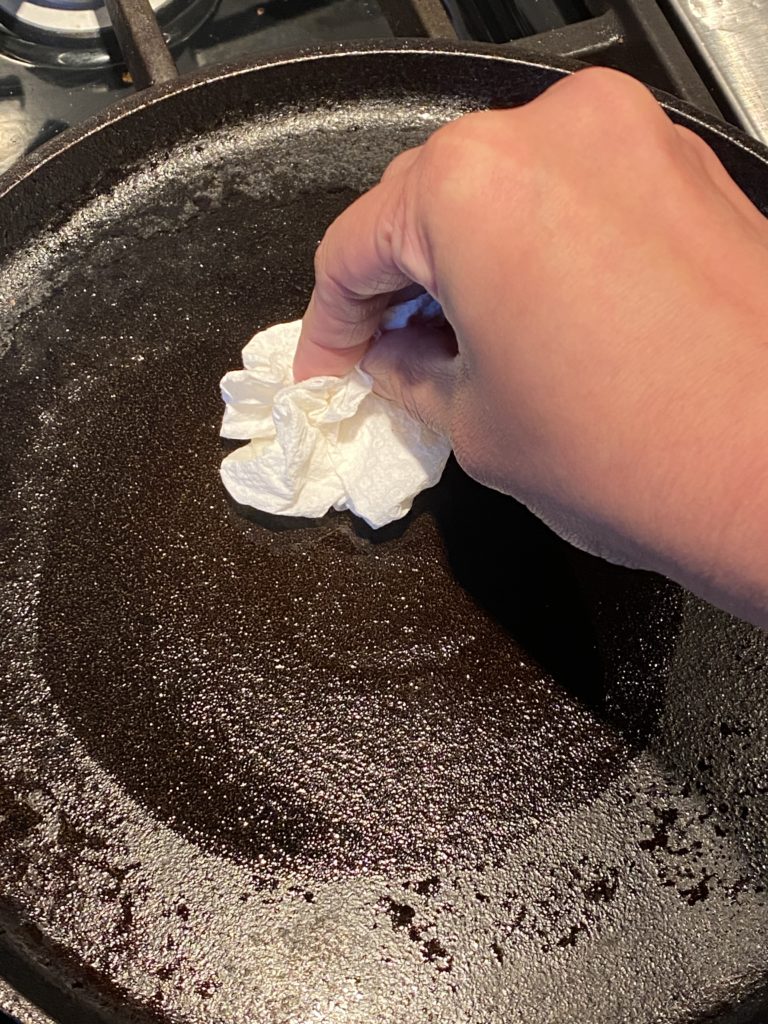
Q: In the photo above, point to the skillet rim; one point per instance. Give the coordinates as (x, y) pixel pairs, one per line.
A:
(123, 109)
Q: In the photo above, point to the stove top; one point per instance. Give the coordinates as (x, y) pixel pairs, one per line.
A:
(58, 65)
(60, 62)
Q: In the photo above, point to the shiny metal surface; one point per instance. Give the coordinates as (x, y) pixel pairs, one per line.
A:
(732, 38)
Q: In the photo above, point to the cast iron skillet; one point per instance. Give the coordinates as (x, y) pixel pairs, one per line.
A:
(454, 771)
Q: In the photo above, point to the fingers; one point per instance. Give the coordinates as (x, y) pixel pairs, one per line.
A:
(417, 368)
(354, 272)
(365, 256)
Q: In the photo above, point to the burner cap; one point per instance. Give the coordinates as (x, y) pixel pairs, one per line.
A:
(58, 21)
(77, 35)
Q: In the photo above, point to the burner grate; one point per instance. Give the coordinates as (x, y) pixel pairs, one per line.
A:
(630, 35)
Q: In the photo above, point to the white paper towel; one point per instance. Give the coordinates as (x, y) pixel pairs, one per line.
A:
(328, 442)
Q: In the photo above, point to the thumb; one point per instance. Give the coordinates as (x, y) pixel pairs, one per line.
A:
(416, 367)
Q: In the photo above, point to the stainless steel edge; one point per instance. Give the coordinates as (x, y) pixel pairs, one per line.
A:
(731, 37)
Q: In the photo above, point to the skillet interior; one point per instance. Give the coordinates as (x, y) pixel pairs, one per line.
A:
(454, 770)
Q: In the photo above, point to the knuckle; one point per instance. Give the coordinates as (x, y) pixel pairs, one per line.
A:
(606, 112)
(400, 163)
(461, 160)
(609, 86)
(457, 139)
(321, 259)
(330, 277)
(696, 145)
(612, 99)
(444, 152)
(333, 296)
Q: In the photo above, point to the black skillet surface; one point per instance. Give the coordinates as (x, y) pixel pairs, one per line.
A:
(454, 771)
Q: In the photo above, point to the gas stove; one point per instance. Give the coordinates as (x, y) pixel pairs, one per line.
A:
(60, 61)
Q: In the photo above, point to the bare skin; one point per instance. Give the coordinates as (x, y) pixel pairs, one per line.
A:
(607, 286)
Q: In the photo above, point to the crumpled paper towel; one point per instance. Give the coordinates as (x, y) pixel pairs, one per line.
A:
(327, 442)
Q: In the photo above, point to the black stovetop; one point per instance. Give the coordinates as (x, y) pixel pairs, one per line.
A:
(49, 81)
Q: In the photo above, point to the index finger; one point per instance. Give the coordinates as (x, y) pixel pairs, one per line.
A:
(362, 259)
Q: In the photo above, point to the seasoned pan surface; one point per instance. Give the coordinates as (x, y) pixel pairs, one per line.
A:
(257, 771)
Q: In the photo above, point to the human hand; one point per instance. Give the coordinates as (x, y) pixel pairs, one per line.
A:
(606, 283)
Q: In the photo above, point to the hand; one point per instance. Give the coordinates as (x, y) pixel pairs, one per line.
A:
(606, 284)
